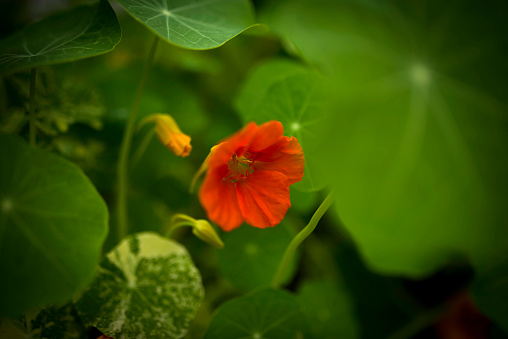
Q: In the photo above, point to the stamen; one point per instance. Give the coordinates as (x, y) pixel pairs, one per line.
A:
(239, 168)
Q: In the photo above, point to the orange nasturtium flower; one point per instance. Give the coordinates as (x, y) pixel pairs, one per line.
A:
(248, 177)
(170, 134)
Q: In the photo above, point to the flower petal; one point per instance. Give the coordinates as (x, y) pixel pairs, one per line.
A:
(263, 198)
(219, 200)
(266, 135)
(285, 156)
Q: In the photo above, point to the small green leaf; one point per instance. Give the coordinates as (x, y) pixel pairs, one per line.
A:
(287, 91)
(52, 226)
(146, 287)
(251, 255)
(201, 24)
(328, 309)
(264, 314)
(80, 33)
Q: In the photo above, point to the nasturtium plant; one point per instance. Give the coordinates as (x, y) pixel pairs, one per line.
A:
(52, 226)
(146, 287)
(266, 313)
(82, 32)
(193, 24)
(251, 255)
(351, 157)
(295, 95)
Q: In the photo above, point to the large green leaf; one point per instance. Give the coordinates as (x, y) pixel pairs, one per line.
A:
(52, 226)
(251, 255)
(80, 33)
(289, 92)
(415, 150)
(263, 314)
(146, 287)
(195, 24)
(328, 309)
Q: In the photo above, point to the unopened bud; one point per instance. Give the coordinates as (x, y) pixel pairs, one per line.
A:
(204, 231)
(170, 134)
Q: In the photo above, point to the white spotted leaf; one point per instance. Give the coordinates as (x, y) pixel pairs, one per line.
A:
(146, 287)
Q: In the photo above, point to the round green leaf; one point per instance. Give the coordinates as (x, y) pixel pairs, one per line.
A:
(264, 314)
(80, 33)
(251, 256)
(287, 91)
(146, 287)
(52, 226)
(328, 309)
(193, 24)
(415, 149)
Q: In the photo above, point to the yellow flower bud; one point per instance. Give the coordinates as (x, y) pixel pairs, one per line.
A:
(170, 134)
(204, 231)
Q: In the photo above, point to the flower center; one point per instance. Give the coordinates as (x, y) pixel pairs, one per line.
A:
(239, 168)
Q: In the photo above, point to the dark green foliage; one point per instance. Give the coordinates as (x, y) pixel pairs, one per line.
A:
(52, 226)
(80, 33)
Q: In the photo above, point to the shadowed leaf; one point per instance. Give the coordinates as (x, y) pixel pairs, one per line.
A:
(79, 33)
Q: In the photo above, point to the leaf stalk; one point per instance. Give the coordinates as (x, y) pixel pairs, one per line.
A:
(123, 160)
(31, 109)
(298, 239)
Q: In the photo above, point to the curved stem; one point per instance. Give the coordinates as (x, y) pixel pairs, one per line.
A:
(123, 160)
(181, 216)
(298, 239)
(173, 227)
(142, 148)
(32, 119)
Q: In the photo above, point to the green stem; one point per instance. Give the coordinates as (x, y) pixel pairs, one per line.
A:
(298, 239)
(182, 217)
(184, 220)
(142, 148)
(173, 227)
(123, 160)
(32, 119)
